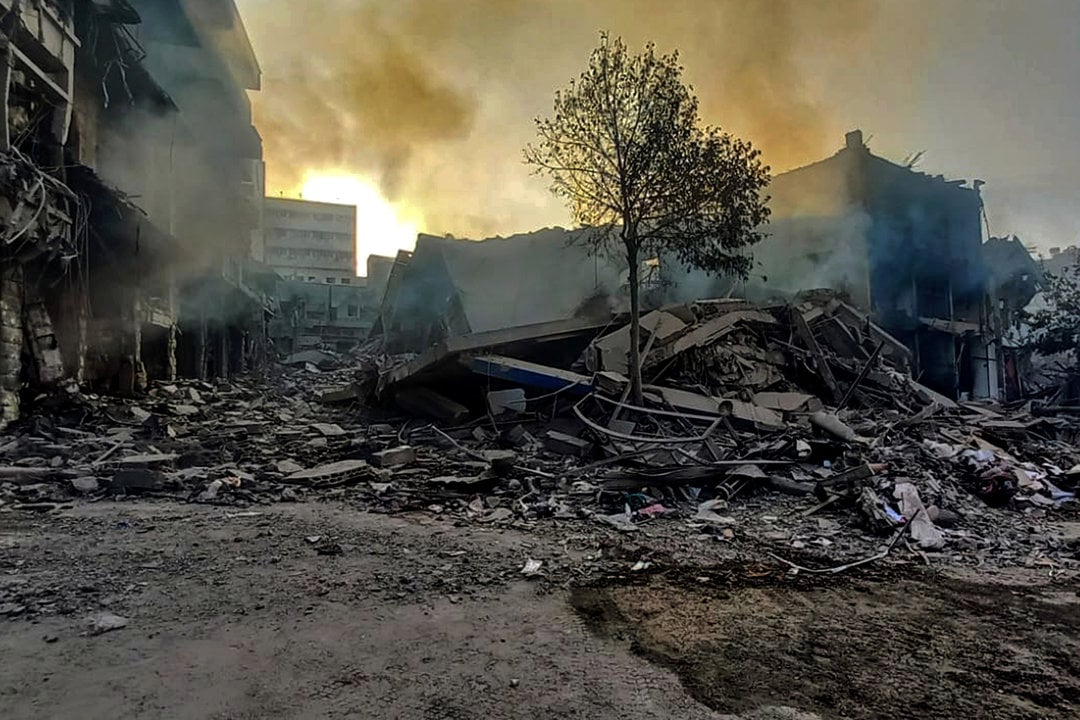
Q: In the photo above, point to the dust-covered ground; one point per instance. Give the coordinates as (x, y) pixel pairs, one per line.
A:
(315, 610)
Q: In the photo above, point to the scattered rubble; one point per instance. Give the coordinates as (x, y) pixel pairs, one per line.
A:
(790, 427)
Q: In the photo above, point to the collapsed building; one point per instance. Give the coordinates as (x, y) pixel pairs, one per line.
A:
(448, 287)
(901, 245)
(132, 187)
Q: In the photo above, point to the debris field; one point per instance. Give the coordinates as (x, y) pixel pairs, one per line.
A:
(786, 442)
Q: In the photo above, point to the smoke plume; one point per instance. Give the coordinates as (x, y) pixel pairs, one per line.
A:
(434, 99)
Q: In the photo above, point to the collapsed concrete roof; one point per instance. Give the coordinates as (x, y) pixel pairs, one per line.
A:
(453, 286)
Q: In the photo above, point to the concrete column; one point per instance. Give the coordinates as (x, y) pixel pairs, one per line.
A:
(170, 354)
(200, 348)
(223, 352)
(11, 343)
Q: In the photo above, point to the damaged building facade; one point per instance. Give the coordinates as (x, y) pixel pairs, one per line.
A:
(132, 187)
(450, 287)
(899, 244)
(321, 302)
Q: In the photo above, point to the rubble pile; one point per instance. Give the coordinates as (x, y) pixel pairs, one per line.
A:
(794, 427)
(802, 420)
(235, 442)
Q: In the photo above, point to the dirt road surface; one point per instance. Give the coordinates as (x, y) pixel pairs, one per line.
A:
(315, 610)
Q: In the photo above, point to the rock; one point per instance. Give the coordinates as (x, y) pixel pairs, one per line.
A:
(138, 479)
(184, 410)
(104, 622)
(289, 495)
(328, 429)
(12, 609)
(85, 485)
(287, 467)
(946, 519)
(394, 457)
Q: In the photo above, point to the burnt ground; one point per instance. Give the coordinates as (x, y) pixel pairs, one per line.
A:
(912, 644)
(316, 610)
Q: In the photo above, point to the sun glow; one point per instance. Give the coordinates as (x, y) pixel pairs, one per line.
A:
(381, 227)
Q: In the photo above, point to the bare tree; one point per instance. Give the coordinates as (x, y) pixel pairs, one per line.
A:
(627, 151)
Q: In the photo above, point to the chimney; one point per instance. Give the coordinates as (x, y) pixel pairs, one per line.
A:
(853, 140)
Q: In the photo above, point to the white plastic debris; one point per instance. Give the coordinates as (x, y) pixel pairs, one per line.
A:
(532, 567)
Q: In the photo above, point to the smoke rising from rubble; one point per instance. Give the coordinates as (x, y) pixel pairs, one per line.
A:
(432, 100)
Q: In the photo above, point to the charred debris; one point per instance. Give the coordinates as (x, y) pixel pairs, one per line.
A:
(884, 414)
(791, 428)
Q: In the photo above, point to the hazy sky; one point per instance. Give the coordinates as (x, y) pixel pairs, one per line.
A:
(432, 100)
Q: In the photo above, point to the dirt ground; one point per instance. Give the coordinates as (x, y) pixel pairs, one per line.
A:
(315, 610)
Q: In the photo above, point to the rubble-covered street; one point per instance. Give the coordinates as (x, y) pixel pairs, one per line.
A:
(234, 615)
(270, 548)
(454, 359)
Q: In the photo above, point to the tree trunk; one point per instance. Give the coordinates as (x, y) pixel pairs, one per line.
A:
(635, 323)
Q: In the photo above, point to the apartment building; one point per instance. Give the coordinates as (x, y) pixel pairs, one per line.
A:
(310, 241)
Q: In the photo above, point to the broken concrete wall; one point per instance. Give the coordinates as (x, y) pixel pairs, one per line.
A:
(313, 314)
(11, 342)
(900, 244)
(456, 287)
(817, 236)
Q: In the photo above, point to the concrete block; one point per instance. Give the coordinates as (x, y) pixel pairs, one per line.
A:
(427, 402)
(138, 479)
(338, 473)
(328, 429)
(564, 444)
(501, 401)
(394, 457)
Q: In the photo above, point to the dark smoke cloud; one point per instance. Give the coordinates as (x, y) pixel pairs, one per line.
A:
(343, 90)
(433, 99)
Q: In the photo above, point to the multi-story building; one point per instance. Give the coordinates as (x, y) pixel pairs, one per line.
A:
(322, 315)
(132, 117)
(309, 241)
(900, 244)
